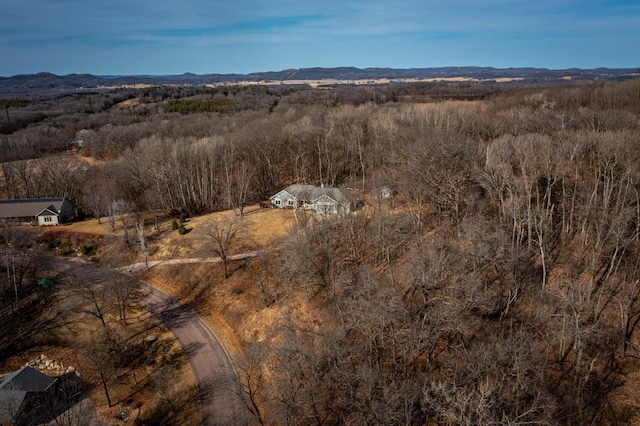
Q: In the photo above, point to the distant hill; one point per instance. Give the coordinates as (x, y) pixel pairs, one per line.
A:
(47, 83)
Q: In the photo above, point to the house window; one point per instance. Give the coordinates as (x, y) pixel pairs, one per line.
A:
(277, 202)
(47, 218)
(290, 202)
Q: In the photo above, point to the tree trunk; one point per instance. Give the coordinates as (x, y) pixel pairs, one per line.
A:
(106, 390)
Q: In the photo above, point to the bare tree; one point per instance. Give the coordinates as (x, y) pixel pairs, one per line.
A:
(166, 387)
(126, 290)
(253, 383)
(239, 180)
(95, 299)
(439, 171)
(76, 415)
(223, 235)
(99, 363)
(61, 177)
(142, 240)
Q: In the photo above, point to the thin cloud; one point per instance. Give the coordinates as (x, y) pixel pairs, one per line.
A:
(326, 33)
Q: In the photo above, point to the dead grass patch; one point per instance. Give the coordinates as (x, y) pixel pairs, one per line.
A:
(91, 226)
(234, 308)
(128, 103)
(264, 228)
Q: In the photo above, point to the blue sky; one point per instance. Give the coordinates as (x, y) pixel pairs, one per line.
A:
(243, 36)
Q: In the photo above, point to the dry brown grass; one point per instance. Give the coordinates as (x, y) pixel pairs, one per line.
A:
(86, 227)
(146, 404)
(264, 228)
(221, 303)
(128, 103)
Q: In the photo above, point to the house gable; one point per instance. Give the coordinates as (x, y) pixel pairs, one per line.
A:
(48, 217)
(284, 199)
(49, 211)
(325, 204)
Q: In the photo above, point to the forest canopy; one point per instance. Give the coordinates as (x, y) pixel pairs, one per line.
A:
(499, 284)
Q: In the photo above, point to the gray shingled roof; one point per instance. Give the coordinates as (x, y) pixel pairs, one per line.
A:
(10, 403)
(15, 386)
(29, 207)
(26, 379)
(310, 193)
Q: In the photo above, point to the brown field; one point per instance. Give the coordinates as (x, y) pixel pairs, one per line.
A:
(362, 82)
(264, 228)
(128, 103)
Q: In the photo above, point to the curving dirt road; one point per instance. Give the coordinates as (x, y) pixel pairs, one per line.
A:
(217, 381)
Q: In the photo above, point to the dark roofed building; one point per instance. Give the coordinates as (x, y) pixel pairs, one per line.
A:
(27, 379)
(23, 394)
(46, 211)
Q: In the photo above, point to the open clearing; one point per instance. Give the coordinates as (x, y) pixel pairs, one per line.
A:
(264, 227)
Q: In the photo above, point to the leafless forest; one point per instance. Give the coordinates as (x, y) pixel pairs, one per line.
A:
(500, 284)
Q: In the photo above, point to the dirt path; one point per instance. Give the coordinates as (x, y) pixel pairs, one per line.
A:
(217, 381)
(136, 267)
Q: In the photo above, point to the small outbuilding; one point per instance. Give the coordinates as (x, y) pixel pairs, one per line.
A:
(77, 145)
(386, 192)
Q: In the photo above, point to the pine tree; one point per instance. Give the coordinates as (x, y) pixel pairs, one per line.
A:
(181, 229)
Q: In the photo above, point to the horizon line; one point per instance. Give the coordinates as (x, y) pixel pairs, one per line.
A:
(514, 68)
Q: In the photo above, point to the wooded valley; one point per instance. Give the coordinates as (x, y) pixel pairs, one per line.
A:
(492, 276)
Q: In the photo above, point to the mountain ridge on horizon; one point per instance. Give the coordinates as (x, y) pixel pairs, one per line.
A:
(49, 82)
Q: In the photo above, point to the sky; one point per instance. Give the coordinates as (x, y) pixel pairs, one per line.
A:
(168, 37)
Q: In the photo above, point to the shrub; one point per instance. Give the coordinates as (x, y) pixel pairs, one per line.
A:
(65, 247)
(54, 243)
(89, 250)
(181, 229)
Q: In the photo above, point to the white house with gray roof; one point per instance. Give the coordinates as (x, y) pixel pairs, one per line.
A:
(320, 199)
(44, 211)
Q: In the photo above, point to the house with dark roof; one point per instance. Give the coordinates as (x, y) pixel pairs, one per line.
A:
(29, 397)
(25, 396)
(44, 211)
(320, 199)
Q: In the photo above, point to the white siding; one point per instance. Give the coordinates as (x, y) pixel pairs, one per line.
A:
(47, 220)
